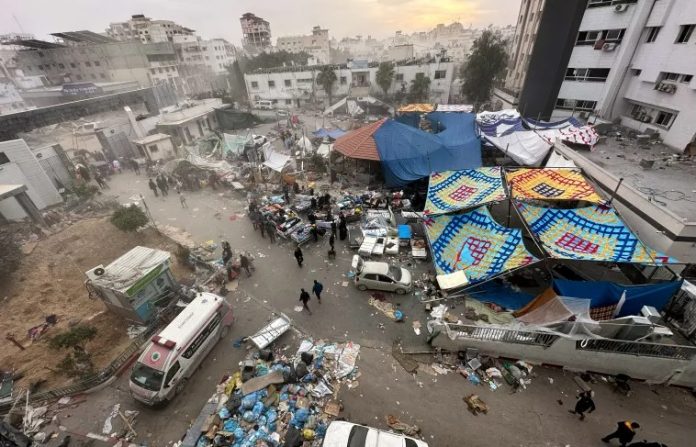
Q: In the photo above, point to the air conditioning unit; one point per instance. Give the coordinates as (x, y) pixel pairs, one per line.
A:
(95, 273)
(666, 87)
(609, 47)
(620, 8)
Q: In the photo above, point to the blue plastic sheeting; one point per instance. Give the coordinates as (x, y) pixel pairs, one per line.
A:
(331, 133)
(408, 154)
(605, 293)
(568, 122)
(501, 127)
(502, 295)
(410, 119)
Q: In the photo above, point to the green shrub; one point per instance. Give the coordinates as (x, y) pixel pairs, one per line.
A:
(129, 218)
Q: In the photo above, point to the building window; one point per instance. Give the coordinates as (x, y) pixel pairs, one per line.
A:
(440, 74)
(153, 71)
(61, 66)
(288, 102)
(587, 74)
(288, 83)
(40, 67)
(587, 37)
(271, 84)
(685, 32)
(575, 104)
(102, 75)
(668, 76)
(72, 65)
(88, 64)
(685, 79)
(153, 148)
(653, 31)
(343, 80)
(664, 119)
(613, 35)
(78, 77)
(3, 158)
(254, 84)
(97, 63)
(636, 71)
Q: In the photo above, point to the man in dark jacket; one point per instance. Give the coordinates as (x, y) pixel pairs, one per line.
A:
(304, 298)
(584, 404)
(625, 431)
(298, 256)
(317, 288)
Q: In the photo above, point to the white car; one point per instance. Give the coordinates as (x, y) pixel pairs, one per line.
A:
(381, 276)
(347, 434)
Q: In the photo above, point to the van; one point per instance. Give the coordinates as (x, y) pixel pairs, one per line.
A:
(172, 356)
(263, 105)
(348, 434)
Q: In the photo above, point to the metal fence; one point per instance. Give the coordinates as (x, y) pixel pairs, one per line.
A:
(460, 331)
(677, 352)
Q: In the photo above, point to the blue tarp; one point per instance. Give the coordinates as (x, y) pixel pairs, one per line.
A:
(408, 154)
(503, 126)
(605, 293)
(502, 295)
(331, 133)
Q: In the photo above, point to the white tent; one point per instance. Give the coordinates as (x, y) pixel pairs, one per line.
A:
(525, 147)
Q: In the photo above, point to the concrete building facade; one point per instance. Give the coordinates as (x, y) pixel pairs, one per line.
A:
(316, 44)
(291, 87)
(10, 99)
(256, 33)
(147, 30)
(190, 122)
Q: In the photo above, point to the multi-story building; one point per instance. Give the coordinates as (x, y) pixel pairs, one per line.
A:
(202, 63)
(146, 30)
(632, 60)
(10, 99)
(256, 33)
(290, 87)
(316, 44)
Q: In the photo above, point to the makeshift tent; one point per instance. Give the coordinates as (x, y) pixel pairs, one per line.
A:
(500, 293)
(605, 293)
(450, 191)
(592, 233)
(585, 135)
(557, 160)
(488, 117)
(526, 147)
(475, 243)
(360, 143)
(331, 133)
(501, 127)
(550, 184)
(562, 124)
(557, 310)
(235, 143)
(324, 148)
(421, 108)
(274, 160)
(409, 154)
(465, 108)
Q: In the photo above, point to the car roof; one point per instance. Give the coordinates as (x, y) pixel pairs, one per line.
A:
(381, 268)
(338, 433)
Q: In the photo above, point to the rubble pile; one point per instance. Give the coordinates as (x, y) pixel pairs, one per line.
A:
(276, 400)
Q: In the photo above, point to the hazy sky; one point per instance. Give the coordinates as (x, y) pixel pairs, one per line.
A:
(220, 18)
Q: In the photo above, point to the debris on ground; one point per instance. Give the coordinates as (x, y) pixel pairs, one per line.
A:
(406, 362)
(416, 327)
(385, 307)
(401, 427)
(475, 404)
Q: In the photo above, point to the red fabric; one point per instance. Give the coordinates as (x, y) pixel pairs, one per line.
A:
(359, 142)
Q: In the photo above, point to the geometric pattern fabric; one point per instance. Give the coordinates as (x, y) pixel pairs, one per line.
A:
(475, 243)
(592, 233)
(450, 191)
(551, 184)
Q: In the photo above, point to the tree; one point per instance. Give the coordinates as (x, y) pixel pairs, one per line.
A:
(419, 88)
(483, 67)
(10, 253)
(129, 218)
(385, 76)
(326, 78)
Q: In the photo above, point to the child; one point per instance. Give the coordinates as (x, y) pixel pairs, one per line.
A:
(182, 199)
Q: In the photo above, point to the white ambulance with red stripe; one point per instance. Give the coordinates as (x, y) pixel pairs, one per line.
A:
(171, 357)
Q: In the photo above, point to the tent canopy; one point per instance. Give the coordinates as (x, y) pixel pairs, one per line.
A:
(360, 143)
(550, 184)
(562, 124)
(475, 243)
(456, 190)
(466, 108)
(409, 154)
(420, 108)
(331, 133)
(526, 147)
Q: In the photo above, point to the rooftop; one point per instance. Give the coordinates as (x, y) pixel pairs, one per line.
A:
(670, 182)
(152, 138)
(11, 190)
(189, 111)
(126, 272)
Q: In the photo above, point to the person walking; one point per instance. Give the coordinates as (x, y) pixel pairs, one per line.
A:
(625, 431)
(245, 264)
(153, 187)
(332, 239)
(161, 185)
(304, 298)
(316, 289)
(333, 228)
(100, 181)
(584, 404)
(271, 229)
(182, 200)
(298, 256)
(262, 227)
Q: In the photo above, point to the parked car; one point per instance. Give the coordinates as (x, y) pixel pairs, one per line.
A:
(169, 360)
(381, 276)
(263, 105)
(282, 112)
(347, 434)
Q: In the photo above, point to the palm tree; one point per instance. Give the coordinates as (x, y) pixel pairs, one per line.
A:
(419, 88)
(326, 78)
(384, 76)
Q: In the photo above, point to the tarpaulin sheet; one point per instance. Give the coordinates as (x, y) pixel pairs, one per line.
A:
(585, 135)
(525, 147)
(475, 243)
(550, 184)
(235, 143)
(502, 295)
(275, 160)
(421, 108)
(466, 108)
(489, 117)
(593, 233)
(557, 160)
(409, 154)
(331, 133)
(456, 190)
(605, 293)
(501, 127)
(562, 124)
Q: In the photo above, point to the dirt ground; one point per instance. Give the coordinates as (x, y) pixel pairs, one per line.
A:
(50, 280)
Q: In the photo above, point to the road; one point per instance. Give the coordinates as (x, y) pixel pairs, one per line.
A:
(532, 417)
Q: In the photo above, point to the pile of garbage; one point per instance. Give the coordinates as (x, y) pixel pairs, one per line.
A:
(276, 400)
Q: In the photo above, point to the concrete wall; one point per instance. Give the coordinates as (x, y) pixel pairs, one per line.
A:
(563, 352)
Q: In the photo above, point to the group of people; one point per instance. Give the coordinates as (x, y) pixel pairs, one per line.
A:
(317, 288)
(162, 183)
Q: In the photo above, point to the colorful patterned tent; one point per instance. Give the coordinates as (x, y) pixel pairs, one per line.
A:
(550, 184)
(475, 243)
(419, 108)
(450, 191)
(593, 233)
